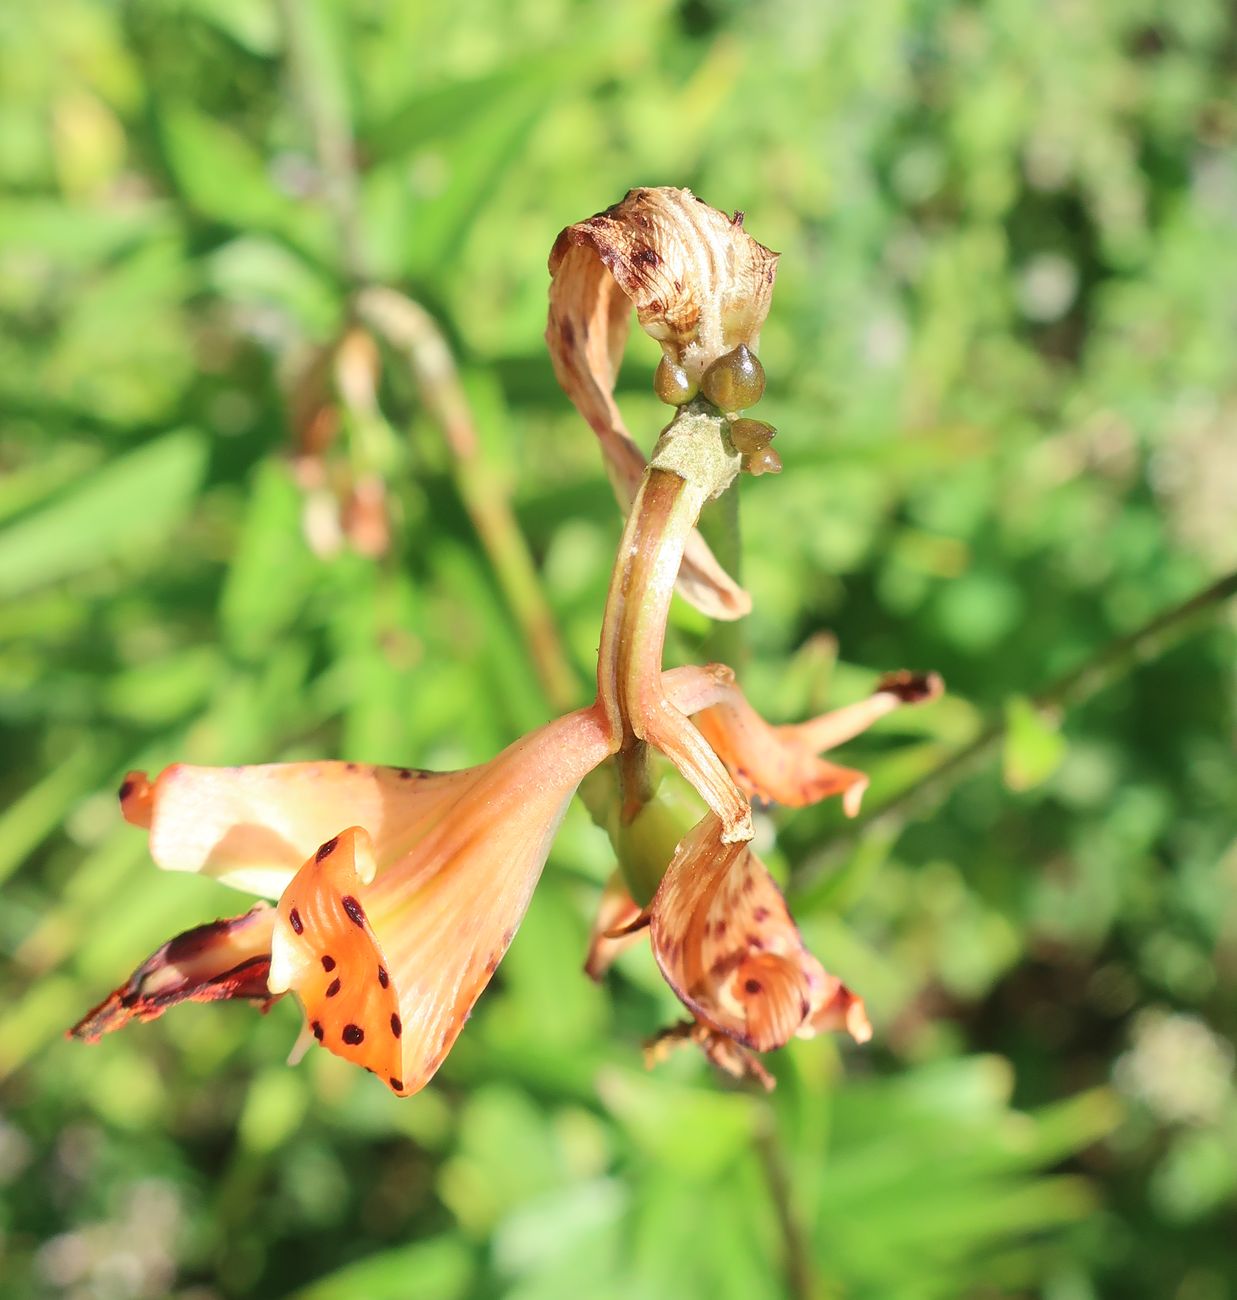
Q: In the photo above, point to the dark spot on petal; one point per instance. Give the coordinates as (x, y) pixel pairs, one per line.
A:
(648, 257)
(805, 1008)
(760, 914)
(406, 774)
(328, 962)
(125, 790)
(508, 935)
(319, 1033)
(752, 986)
(326, 849)
(294, 920)
(755, 941)
(491, 966)
(350, 767)
(383, 978)
(719, 928)
(397, 1084)
(396, 1027)
(332, 988)
(353, 1034)
(353, 908)
(567, 332)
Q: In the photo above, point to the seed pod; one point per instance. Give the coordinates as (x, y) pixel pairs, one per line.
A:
(764, 461)
(751, 436)
(735, 380)
(672, 385)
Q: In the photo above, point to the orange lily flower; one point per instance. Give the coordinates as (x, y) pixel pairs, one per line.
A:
(399, 890)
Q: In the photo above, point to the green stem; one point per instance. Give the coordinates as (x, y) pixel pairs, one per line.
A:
(719, 525)
(629, 662)
(331, 133)
(410, 329)
(1070, 689)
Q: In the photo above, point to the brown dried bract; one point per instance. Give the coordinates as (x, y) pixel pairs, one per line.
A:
(700, 285)
(226, 959)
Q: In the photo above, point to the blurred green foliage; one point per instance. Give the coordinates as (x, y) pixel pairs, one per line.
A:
(1001, 357)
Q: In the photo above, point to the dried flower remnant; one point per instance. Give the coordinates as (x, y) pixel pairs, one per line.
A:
(725, 942)
(345, 503)
(700, 285)
(719, 927)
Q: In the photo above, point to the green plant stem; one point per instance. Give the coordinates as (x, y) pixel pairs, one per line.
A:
(411, 330)
(719, 526)
(1070, 689)
(331, 135)
(797, 1259)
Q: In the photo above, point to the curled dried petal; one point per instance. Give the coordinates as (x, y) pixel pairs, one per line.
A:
(700, 286)
(725, 941)
(615, 929)
(210, 963)
(780, 764)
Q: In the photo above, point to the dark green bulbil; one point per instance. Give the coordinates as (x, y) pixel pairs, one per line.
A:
(735, 381)
(750, 436)
(672, 384)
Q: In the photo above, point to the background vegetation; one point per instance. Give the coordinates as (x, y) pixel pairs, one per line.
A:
(1001, 357)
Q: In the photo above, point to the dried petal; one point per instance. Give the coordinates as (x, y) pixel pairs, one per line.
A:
(700, 286)
(615, 929)
(780, 764)
(210, 963)
(726, 943)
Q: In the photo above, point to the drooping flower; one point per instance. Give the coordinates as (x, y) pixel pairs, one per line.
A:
(725, 941)
(718, 925)
(399, 890)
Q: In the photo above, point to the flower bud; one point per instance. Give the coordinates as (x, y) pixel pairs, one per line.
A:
(735, 381)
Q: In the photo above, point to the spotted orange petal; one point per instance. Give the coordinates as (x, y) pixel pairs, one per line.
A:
(726, 943)
(412, 944)
(325, 950)
(253, 827)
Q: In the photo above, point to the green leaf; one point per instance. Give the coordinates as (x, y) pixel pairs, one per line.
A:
(272, 568)
(438, 1269)
(226, 178)
(1034, 747)
(127, 507)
